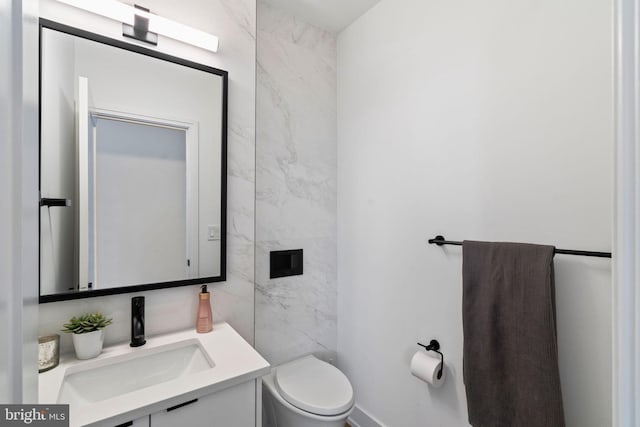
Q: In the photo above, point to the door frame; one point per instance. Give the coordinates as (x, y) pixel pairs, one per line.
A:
(626, 233)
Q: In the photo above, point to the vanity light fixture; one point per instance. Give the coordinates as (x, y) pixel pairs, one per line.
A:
(139, 23)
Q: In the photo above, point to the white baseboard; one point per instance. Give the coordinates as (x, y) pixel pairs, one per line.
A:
(361, 418)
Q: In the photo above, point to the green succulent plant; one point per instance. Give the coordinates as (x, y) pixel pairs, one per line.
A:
(86, 323)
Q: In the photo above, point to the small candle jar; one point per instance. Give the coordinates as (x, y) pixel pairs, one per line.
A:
(48, 352)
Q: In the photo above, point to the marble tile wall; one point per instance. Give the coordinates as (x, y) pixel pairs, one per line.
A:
(295, 186)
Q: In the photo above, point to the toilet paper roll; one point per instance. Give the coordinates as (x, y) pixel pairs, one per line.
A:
(426, 368)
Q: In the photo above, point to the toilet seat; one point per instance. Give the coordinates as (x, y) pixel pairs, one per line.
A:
(314, 386)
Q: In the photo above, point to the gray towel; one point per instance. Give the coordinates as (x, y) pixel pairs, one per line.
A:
(511, 371)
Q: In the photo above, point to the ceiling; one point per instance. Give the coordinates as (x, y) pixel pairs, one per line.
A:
(331, 15)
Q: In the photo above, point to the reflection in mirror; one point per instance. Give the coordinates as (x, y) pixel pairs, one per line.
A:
(132, 174)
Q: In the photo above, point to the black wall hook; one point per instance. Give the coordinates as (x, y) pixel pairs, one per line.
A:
(435, 346)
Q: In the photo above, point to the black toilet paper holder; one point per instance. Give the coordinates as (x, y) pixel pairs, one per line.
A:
(434, 345)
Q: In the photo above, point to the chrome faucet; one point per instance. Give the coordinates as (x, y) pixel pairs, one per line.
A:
(137, 322)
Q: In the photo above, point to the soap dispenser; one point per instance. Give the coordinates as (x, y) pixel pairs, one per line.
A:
(204, 322)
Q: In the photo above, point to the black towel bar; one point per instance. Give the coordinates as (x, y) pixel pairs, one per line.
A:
(440, 240)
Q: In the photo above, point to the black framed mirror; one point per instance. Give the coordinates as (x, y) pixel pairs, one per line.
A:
(133, 167)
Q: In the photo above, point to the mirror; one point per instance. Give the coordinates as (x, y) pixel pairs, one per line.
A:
(132, 167)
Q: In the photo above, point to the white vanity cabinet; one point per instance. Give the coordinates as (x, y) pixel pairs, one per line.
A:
(140, 422)
(233, 407)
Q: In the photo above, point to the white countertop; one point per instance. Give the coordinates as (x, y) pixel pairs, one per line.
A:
(235, 362)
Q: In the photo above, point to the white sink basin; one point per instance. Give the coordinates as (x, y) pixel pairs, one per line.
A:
(125, 383)
(108, 378)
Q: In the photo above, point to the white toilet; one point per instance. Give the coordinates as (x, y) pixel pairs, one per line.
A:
(306, 392)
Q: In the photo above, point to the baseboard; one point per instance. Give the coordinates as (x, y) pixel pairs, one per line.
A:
(361, 418)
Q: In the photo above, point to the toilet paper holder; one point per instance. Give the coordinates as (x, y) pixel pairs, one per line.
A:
(434, 345)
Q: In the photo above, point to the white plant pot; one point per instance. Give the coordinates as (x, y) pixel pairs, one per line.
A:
(88, 345)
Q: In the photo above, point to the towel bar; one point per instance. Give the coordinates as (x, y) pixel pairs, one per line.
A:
(49, 202)
(440, 240)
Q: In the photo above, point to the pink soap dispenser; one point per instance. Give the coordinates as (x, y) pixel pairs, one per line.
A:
(204, 323)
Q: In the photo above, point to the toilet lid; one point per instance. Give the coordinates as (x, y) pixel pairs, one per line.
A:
(314, 386)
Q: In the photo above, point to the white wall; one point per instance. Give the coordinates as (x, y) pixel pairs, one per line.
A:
(19, 193)
(6, 216)
(295, 185)
(476, 120)
(171, 309)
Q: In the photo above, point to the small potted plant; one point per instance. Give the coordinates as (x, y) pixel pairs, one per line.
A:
(88, 334)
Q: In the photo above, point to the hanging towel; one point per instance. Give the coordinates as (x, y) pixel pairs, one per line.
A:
(510, 364)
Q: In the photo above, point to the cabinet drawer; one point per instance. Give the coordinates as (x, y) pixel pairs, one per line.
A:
(232, 407)
(140, 422)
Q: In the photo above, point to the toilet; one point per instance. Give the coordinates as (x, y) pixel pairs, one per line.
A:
(306, 392)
